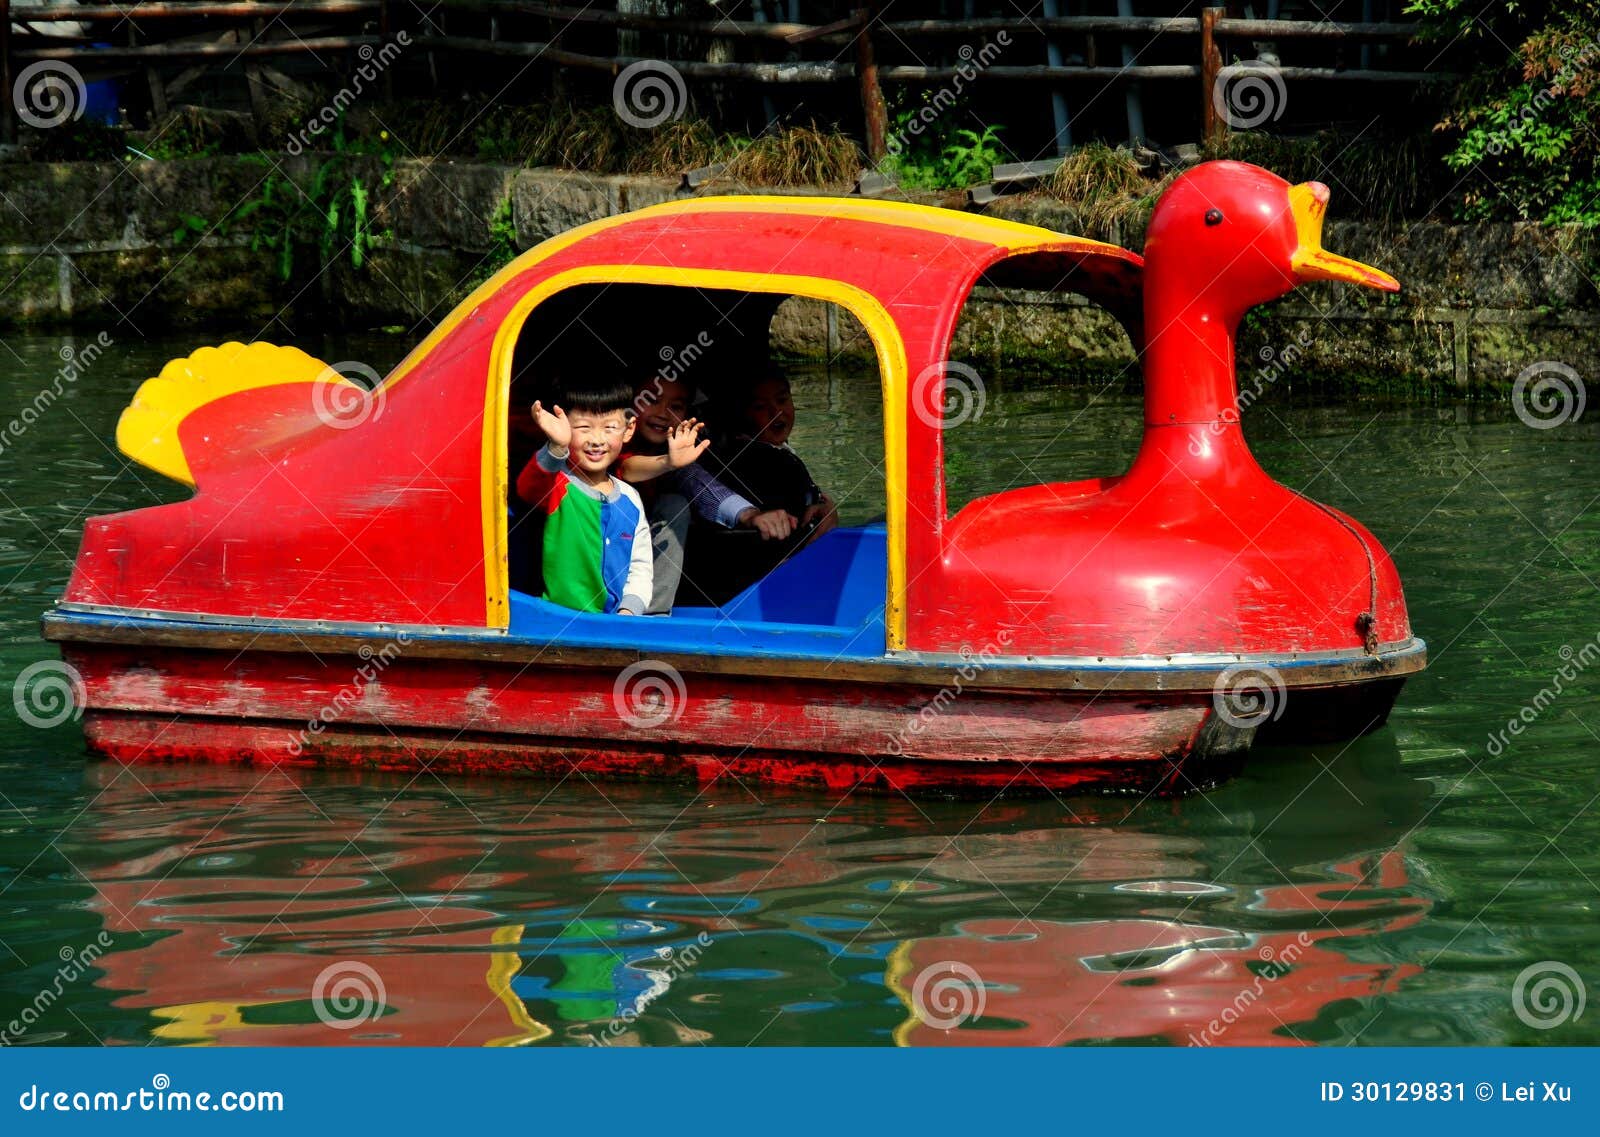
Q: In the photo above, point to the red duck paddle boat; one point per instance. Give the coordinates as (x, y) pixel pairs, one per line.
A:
(342, 587)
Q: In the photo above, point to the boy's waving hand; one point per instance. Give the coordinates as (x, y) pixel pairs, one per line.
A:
(557, 430)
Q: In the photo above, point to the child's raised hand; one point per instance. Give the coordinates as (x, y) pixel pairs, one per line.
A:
(557, 430)
(682, 449)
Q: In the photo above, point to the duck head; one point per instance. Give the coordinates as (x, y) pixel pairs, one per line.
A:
(1225, 237)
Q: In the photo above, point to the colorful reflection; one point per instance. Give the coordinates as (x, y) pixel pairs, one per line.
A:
(310, 909)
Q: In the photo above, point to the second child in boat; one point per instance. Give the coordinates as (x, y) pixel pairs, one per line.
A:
(596, 547)
(759, 464)
(662, 462)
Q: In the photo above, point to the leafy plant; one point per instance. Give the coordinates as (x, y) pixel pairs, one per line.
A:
(331, 216)
(1524, 120)
(929, 150)
(190, 227)
(502, 244)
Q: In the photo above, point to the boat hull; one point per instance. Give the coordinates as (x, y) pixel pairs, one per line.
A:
(448, 707)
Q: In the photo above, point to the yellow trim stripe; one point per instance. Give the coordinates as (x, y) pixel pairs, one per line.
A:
(1011, 235)
(892, 368)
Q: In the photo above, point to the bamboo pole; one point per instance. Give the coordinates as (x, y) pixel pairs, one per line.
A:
(1313, 29)
(1210, 66)
(690, 69)
(8, 113)
(873, 109)
(637, 21)
(116, 13)
(196, 50)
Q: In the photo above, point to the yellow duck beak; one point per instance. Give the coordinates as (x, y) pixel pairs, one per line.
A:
(1309, 201)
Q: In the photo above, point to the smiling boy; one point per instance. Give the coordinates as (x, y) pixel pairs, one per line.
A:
(596, 543)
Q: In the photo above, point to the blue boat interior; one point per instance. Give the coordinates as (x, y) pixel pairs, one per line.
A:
(827, 600)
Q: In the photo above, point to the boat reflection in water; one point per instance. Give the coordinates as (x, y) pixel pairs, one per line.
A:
(337, 910)
(1042, 982)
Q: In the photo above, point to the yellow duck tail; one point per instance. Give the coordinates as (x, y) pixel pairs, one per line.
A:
(148, 431)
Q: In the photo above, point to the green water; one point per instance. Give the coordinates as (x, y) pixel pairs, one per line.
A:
(1391, 891)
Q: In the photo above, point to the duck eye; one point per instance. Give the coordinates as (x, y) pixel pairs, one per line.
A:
(1213, 217)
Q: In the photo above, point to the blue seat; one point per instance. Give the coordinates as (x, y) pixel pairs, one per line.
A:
(827, 601)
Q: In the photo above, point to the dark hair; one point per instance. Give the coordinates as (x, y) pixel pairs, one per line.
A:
(600, 395)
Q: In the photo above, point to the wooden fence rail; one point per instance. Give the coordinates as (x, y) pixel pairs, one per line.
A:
(251, 19)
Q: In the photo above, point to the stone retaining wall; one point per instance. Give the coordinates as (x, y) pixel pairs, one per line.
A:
(93, 245)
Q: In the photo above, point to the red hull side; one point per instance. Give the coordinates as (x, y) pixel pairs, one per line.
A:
(145, 738)
(479, 716)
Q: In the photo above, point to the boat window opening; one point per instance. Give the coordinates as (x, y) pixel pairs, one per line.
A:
(790, 391)
(1039, 342)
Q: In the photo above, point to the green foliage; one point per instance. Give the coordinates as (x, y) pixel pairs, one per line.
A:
(929, 150)
(1523, 122)
(190, 227)
(502, 244)
(330, 216)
